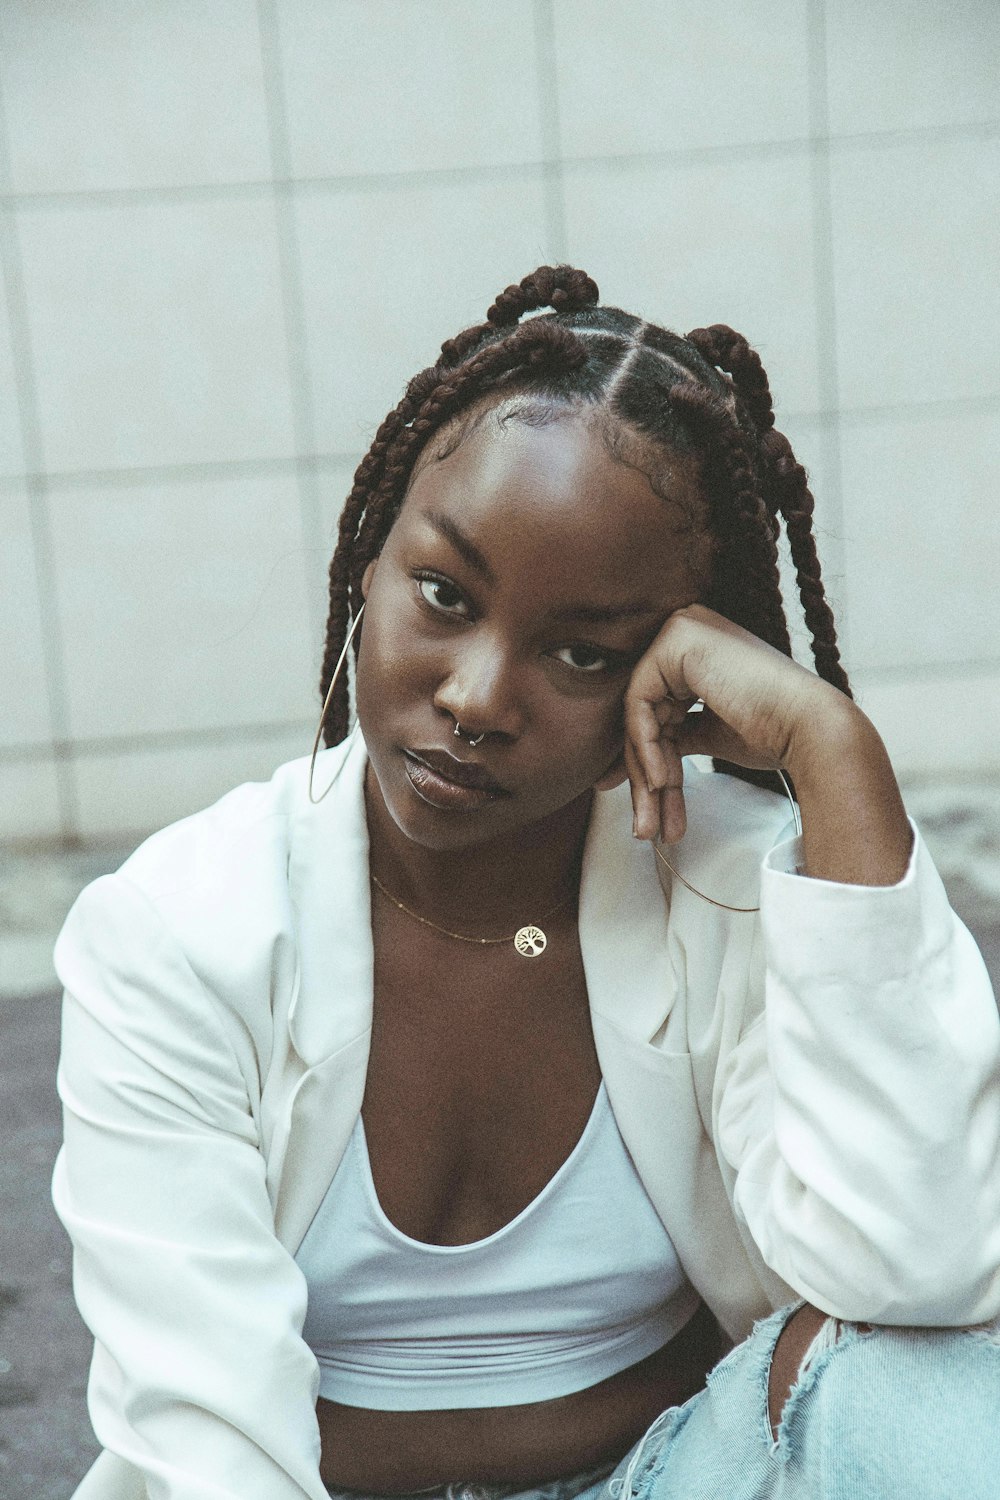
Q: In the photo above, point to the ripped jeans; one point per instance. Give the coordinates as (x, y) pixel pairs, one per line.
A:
(880, 1414)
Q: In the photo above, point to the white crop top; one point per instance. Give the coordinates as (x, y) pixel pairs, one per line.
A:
(582, 1283)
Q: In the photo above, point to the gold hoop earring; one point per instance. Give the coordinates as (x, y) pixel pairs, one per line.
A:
(326, 704)
(711, 899)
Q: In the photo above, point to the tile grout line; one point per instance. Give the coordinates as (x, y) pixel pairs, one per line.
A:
(151, 741)
(293, 302)
(548, 100)
(39, 514)
(387, 181)
(826, 306)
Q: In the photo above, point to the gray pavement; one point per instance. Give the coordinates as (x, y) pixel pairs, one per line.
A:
(46, 1443)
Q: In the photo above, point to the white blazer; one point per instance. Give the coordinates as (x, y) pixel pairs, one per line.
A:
(811, 1098)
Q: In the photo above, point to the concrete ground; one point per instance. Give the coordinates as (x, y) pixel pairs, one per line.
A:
(46, 1443)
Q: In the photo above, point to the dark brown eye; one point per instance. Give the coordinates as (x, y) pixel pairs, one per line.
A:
(442, 595)
(583, 658)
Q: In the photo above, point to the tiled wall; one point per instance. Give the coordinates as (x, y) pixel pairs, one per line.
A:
(230, 231)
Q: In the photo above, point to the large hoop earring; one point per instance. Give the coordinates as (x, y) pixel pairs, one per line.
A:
(326, 705)
(711, 899)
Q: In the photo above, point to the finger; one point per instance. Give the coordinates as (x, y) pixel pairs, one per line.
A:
(672, 710)
(648, 724)
(643, 729)
(659, 811)
(645, 803)
(673, 814)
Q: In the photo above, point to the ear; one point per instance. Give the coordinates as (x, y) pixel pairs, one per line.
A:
(366, 578)
(613, 776)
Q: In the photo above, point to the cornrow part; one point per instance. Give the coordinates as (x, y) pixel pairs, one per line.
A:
(795, 502)
(729, 350)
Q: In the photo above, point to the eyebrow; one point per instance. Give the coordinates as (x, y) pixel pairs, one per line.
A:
(463, 545)
(591, 614)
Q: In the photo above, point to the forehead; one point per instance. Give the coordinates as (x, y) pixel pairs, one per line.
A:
(551, 505)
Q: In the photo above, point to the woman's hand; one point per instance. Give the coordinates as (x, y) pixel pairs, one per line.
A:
(761, 709)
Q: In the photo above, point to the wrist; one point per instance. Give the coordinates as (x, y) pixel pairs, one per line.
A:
(854, 826)
(832, 736)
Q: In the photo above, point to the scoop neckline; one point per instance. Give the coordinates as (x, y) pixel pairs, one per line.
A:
(505, 1229)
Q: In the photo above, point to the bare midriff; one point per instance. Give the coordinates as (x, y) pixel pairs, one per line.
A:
(400, 1452)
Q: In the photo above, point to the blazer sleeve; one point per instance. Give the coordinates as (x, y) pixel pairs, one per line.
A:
(861, 1110)
(200, 1379)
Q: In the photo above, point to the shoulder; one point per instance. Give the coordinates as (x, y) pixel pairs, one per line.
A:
(245, 834)
(207, 901)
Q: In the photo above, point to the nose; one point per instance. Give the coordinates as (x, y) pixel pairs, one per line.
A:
(482, 689)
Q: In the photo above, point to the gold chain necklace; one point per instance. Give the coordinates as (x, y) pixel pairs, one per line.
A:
(530, 941)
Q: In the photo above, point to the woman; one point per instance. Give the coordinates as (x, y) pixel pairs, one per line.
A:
(418, 1137)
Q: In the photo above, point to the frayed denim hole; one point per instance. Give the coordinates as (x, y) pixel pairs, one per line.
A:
(771, 1330)
(848, 1335)
(758, 1346)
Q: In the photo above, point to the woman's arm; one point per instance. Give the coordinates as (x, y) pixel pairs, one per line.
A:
(200, 1378)
(861, 1112)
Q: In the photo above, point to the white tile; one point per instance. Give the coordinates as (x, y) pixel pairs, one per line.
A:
(922, 541)
(643, 76)
(694, 243)
(937, 725)
(158, 332)
(899, 67)
(29, 799)
(182, 605)
(26, 967)
(389, 86)
(915, 270)
(11, 445)
(388, 274)
(132, 793)
(132, 95)
(24, 719)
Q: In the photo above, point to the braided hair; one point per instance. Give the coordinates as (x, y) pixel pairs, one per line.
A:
(706, 395)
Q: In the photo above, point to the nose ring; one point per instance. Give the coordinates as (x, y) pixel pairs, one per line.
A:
(465, 735)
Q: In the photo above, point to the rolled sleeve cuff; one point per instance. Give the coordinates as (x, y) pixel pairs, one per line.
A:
(812, 926)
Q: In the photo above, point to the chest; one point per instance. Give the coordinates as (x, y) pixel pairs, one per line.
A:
(481, 1077)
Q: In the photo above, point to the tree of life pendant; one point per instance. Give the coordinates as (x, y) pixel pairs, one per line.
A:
(530, 941)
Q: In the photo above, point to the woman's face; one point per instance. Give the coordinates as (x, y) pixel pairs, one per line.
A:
(525, 575)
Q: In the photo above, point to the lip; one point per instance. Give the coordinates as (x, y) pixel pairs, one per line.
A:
(444, 781)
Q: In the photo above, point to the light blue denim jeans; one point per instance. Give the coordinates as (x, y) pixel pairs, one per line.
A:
(880, 1414)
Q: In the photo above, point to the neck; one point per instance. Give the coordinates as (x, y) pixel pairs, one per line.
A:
(486, 888)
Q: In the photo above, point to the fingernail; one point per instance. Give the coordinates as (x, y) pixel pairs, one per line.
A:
(635, 826)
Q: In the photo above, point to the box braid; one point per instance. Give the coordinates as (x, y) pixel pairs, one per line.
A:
(706, 394)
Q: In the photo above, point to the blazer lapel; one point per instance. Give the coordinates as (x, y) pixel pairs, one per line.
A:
(330, 1017)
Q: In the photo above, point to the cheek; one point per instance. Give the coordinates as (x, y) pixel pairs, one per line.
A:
(587, 737)
(395, 664)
